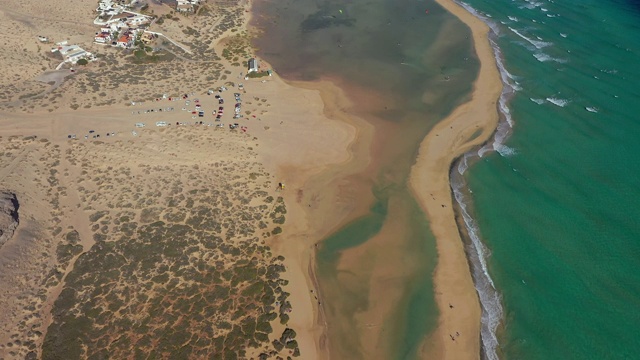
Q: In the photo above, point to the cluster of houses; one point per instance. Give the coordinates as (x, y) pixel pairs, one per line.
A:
(119, 26)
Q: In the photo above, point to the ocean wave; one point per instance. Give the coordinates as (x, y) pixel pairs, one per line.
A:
(492, 24)
(463, 164)
(558, 102)
(505, 151)
(537, 43)
(513, 18)
(531, 4)
(483, 150)
(478, 253)
(563, 35)
(542, 57)
(591, 109)
(538, 101)
(489, 298)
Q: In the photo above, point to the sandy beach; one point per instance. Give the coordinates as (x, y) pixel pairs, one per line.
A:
(469, 125)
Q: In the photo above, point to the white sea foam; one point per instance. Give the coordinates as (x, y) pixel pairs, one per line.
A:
(502, 103)
(591, 109)
(463, 165)
(558, 102)
(538, 101)
(563, 35)
(516, 86)
(542, 57)
(513, 18)
(491, 23)
(483, 150)
(531, 4)
(489, 298)
(537, 43)
(478, 253)
(505, 151)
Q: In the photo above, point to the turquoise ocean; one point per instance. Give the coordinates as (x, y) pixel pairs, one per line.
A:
(551, 205)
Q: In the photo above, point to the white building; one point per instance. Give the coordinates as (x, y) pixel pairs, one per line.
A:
(72, 53)
(138, 20)
(80, 53)
(253, 65)
(184, 7)
(105, 5)
(102, 38)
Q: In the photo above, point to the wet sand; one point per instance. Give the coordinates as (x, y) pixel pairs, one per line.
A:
(455, 293)
(376, 290)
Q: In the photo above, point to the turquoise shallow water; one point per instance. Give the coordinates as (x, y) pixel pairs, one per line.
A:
(557, 206)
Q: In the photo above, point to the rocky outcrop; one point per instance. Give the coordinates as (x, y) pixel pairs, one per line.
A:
(8, 215)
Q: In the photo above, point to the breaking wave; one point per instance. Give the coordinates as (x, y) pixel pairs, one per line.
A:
(558, 102)
(539, 44)
(477, 252)
(542, 57)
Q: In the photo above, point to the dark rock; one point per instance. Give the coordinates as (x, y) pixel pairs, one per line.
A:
(8, 215)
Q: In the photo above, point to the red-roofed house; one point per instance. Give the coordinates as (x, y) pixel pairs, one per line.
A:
(103, 38)
(125, 40)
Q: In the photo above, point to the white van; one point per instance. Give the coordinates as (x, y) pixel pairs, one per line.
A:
(161, 123)
(139, 125)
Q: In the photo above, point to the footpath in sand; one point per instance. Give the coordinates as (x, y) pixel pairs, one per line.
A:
(458, 333)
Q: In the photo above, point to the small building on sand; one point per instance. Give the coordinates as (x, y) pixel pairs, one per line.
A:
(184, 6)
(72, 53)
(253, 65)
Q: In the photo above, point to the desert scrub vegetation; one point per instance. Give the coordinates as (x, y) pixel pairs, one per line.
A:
(178, 270)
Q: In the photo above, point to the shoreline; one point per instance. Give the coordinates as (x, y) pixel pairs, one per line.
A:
(314, 196)
(457, 335)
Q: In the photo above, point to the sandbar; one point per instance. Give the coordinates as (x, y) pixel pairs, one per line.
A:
(455, 293)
